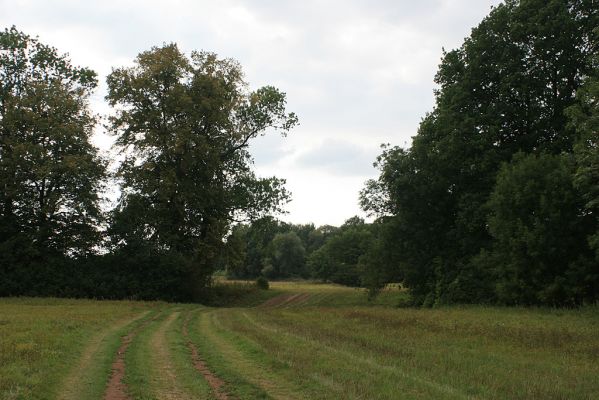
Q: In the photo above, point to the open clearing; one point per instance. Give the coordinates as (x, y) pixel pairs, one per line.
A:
(306, 342)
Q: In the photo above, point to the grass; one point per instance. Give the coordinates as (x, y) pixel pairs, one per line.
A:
(158, 361)
(334, 343)
(89, 375)
(41, 339)
(314, 341)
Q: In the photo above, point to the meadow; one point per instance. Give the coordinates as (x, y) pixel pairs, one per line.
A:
(295, 341)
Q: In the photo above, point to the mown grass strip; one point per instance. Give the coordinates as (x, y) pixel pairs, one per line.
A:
(243, 379)
(217, 385)
(195, 385)
(482, 352)
(42, 338)
(139, 376)
(89, 376)
(365, 366)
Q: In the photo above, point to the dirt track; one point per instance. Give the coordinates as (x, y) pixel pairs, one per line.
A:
(116, 388)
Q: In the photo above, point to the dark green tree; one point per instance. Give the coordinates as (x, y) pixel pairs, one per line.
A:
(235, 252)
(584, 115)
(184, 126)
(503, 91)
(50, 173)
(258, 237)
(539, 228)
(287, 257)
(337, 260)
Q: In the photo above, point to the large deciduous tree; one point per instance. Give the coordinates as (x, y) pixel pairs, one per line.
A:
(503, 91)
(184, 126)
(539, 227)
(50, 173)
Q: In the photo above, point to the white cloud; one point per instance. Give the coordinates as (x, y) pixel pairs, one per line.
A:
(357, 72)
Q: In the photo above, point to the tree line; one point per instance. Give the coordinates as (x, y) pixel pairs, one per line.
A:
(278, 250)
(182, 127)
(497, 199)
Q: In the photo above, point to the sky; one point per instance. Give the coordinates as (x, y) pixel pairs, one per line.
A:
(358, 73)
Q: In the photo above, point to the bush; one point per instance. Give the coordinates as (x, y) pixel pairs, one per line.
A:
(262, 283)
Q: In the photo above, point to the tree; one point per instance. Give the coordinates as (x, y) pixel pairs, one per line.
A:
(337, 260)
(536, 218)
(184, 125)
(584, 115)
(235, 252)
(50, 173)
(503, 91)
(287, 257)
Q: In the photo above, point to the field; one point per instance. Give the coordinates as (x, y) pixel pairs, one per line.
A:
(295, 341)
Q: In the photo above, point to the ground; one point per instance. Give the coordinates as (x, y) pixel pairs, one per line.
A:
(295, 341)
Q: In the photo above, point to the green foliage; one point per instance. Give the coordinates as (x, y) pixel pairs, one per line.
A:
(249, 245)
(337, 260)
(584, 115)
(262, 283)
(539, 229)
(184, 125)
(287, 257)
(504, 91)
(50, 174)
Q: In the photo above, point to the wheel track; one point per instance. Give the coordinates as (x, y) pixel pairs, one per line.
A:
(216, 383)
(169, 387)
(116, 389)
(209, 324)
(78, 377)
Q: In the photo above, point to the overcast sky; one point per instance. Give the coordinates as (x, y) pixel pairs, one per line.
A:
(357, 73)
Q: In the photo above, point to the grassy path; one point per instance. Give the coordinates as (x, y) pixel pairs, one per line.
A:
(167, 385)
(306, 342)
(117, 388)
(161, 365)
(238, 358)
(82, 383)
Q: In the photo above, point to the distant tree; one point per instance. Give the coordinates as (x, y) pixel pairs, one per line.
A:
(260, 234)
(184, 126)
(287, 257)
(50, 173)
(538, 222)
(378, 265)
(337, 260)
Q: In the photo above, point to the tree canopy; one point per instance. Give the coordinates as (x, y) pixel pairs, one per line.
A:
(50, 173)
(184, 125)
(504, 91)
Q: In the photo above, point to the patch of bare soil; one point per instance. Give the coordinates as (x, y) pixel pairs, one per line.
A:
(214, 381)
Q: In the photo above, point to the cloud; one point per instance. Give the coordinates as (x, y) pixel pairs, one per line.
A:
(357, 72)
(339, 157)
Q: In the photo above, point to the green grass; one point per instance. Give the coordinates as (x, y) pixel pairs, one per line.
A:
(146, 374)
(334, 343)
(88, 377)
(316, 341)
(452, 353)
(188, 376)
(42, 339)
